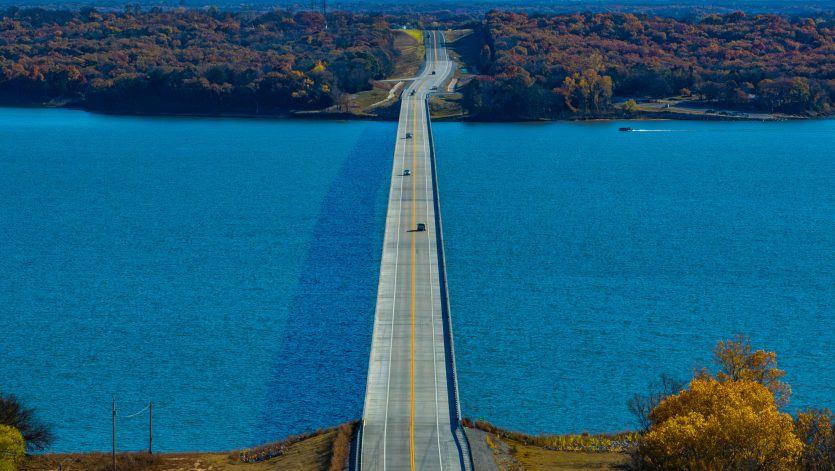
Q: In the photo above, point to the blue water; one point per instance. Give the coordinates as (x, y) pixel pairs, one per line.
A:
(584, 262)
(225, 269)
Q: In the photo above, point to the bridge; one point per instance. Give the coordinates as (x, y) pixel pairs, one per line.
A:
(411, 415)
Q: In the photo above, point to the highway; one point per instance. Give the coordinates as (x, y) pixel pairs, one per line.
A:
(410, 417)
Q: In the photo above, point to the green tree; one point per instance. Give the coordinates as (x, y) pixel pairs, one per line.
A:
(13, 414)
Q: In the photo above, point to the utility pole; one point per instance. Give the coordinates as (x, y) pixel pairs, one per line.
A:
(325, 12)
(114, 434)
(151, 428)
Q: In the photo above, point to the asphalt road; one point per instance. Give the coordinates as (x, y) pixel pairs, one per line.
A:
(410, 418)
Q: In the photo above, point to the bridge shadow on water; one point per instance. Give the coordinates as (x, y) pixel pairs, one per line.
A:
(319, 373)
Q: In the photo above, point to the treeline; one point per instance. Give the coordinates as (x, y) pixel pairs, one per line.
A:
(540, 66)
(189, 61)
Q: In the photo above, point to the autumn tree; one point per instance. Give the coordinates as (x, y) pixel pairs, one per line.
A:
(641, 405)
(12, 449)
(739, 361)
(731, 425)
(816, 430)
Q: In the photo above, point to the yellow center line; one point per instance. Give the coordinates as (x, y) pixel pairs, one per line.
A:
(414, 237)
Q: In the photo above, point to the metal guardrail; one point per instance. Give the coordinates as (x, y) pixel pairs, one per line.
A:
(460, 436)
(355, 464)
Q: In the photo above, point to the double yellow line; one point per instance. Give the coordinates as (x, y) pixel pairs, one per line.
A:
(414, 237)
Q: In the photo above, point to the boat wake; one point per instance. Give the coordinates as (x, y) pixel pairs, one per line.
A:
(657, 130)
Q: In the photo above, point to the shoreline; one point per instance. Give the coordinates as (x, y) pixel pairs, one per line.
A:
(321, 115)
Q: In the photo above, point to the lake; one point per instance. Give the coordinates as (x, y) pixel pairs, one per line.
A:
(584, 262)
(227, 268)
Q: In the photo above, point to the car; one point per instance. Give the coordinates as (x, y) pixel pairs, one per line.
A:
(434, 88)
(421, 227)
(433, 72)
(413, 93)
(408, 135)
(407, 172)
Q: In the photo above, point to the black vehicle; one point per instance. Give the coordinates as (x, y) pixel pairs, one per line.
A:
(408, 135)
(421, 227)
(407, 172)
(413, 93)
(433, 72)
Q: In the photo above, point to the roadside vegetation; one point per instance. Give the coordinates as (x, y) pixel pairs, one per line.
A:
(323, 450)
(730, 419)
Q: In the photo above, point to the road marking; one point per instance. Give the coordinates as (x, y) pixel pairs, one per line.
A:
(414, 238)
(393, 306)
(426, 162)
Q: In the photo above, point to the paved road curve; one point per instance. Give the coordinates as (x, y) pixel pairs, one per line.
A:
(410, 418)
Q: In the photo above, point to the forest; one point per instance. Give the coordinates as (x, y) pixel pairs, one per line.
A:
(189, 61)
(527, 66)
(547, 66)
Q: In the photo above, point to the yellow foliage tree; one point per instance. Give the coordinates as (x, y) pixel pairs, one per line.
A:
(711, 425)
(739, 361)
(816, 429)
(12, 448)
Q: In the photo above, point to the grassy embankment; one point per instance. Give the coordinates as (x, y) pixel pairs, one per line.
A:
(517, 451)
(324, 450)
(376, 102)
(463, 48)
(328, 450)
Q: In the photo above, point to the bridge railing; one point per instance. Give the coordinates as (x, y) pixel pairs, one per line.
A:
(460, 436)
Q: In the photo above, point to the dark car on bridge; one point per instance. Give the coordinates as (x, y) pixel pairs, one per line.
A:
(421, 227)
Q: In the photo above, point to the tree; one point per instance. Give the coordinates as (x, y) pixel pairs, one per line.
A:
(630, 105)
(816, 429)
(38, 437)
(12, 449)
(720, 425)
(739, 361)
(642, 405)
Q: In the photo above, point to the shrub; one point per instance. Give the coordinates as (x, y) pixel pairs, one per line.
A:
(12, 448)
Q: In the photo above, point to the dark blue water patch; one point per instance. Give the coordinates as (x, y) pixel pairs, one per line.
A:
(320, 370)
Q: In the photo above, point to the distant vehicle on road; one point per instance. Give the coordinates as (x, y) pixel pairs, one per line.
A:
(413, 93)
(433, 72)
(421, 227)
(434, 88)
(408, 135)
(625, 129)
(407, 172)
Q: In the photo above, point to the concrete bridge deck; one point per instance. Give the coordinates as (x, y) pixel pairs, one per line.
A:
(410, 419)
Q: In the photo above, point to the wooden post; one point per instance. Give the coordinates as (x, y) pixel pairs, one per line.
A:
(151, 428)
(114, 434)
